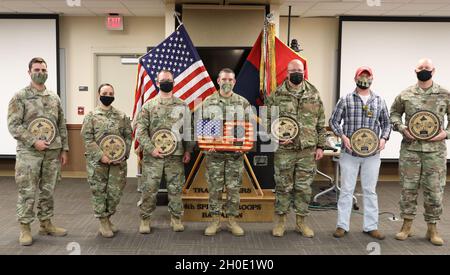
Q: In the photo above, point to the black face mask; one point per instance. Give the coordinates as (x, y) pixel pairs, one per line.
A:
(296, 78)
(166, 86)
(106, 100)
(424, 75)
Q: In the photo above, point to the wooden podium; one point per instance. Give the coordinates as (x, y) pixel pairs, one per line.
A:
(256, 205)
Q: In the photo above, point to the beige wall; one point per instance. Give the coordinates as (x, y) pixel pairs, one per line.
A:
(223, 27)
(83, 37)
(319, 39)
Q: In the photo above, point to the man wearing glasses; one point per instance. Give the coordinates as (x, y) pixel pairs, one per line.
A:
(295, 159)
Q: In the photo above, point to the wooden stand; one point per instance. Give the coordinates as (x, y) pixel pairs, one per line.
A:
(256, 205)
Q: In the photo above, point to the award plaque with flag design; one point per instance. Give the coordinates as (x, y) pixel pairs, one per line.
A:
(218, 135)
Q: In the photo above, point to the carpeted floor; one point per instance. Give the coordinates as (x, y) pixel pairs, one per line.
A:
(73, 211)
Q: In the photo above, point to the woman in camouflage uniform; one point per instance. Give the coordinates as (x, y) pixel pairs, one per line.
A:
(107, 137)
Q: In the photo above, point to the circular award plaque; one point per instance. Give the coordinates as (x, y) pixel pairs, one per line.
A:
(165, 140)
(43, 129)
(364, 142)
(424, 125)
(285, 128)
(114, 147)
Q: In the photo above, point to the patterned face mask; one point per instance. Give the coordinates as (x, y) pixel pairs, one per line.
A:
(39, 78)
(226, 87)
(363, 82)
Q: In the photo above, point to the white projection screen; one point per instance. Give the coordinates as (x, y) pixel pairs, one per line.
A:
(392, 47)
(24, 37)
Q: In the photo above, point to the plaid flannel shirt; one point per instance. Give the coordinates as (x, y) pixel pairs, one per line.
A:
(355, 114)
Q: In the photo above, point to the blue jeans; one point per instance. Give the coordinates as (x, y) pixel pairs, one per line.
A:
(349, 166)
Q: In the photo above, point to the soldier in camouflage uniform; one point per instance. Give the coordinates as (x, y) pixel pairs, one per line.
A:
(38, 162)
(295, 160)
(106, 178)
(422, 163)
(224, 105)
(164, 111)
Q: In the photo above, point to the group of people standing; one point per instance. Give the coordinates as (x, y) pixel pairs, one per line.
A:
(36, 120)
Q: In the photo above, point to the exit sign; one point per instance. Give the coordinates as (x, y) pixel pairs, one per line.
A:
(114, 23)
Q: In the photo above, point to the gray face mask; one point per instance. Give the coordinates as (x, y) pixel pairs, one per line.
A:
(39, 78)
(226, 87)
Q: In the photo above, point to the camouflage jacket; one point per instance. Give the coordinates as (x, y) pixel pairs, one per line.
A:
(100, 123)
(164, 113)
(218, 107)
(413, 99)
(306, 107)
(29, 104)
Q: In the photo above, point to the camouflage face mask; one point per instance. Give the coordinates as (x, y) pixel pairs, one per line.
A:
(39, 78)
(363, 82)
(226, 87)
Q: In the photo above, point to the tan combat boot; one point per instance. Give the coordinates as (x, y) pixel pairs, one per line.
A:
(47, 228)
(145, 228)
(234, 227)
(433, 235)
(175, 223)
(302, 228)
(112, 226)
(105, 229)
(25, 237)
(278, 230)
(213, 227)
(406, 231)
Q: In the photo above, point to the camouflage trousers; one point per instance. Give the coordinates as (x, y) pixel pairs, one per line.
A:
(224, 170)
(36, 172)
(294, 174)
(106, 183)
(153, 170)
(426, 169)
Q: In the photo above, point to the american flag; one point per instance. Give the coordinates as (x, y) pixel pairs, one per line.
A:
(177, 54)
(234, 136)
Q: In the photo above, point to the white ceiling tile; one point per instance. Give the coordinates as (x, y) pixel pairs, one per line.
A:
(429, 1)
(52, 3)
(296, 9)
(103, 11)
(445, 8)
(365, 12)
(335, 6)
(31, 10)
(101, 4)
(143, 4)
(148, 12)
(76, 11)
(312, 13)
(5, 10)
(438, 13)
(19, 4)
(382, 7)
(403, 13)
(420, 7)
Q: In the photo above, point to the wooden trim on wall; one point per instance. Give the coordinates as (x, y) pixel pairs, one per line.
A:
(74, 126)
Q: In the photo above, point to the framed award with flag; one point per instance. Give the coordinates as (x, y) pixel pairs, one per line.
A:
(219, 135)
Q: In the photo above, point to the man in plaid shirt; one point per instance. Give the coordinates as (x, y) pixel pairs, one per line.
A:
(360, 109)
